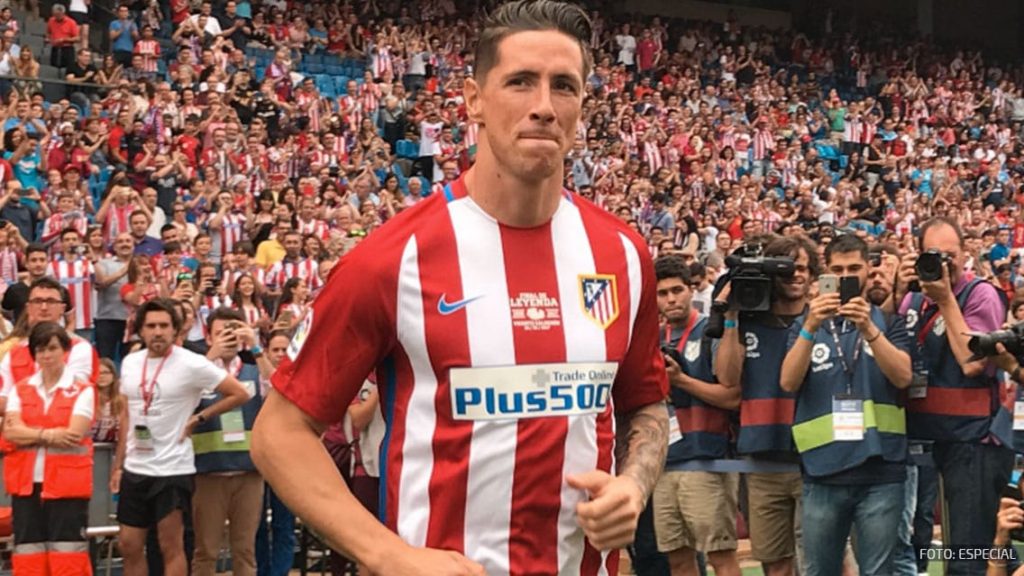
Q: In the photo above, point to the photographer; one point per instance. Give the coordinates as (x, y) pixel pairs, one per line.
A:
(227, 485)
(849, 427)
(750, 356)
(954, 399)
(693, 511)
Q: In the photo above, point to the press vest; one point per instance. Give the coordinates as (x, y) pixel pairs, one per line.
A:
(705, 428)
(956, 408)
(766, 410)
(220, 450)
(67, 473)
(885, 431)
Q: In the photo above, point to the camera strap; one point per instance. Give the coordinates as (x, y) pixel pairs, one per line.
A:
(681, 345)
(929, 321)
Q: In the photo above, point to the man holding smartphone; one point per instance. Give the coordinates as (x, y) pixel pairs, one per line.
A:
(227, 485)
(848, 362)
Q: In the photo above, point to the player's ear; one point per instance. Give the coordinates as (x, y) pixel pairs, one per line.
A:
(474, 107)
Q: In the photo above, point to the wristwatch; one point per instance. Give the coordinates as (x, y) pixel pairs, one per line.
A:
(201, 418)
(256, 351)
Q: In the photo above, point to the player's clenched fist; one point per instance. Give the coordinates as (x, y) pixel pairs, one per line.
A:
(610, 517)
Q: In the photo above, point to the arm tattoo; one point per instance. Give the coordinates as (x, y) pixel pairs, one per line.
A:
(641, 445)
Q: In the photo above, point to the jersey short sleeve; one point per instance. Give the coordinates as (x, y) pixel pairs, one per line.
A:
(641, 379)
(203, 374)
(346, 334)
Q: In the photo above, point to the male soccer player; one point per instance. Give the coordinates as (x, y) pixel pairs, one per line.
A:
(510, 324)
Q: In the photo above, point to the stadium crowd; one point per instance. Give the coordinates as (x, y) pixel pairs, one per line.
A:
(213, 165)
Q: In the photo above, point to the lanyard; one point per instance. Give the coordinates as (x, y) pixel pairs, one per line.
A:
(686, 333)
(148, 390)
(928, 325)
(847, 367)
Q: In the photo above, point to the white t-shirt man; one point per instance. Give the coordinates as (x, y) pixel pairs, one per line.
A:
(83, 407)
(182, 377)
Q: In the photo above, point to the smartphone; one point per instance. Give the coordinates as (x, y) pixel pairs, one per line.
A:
(285, 317)
(849, 288)
(828, 284)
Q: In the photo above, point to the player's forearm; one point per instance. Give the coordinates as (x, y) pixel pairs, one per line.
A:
(288, 452)
(642, 445)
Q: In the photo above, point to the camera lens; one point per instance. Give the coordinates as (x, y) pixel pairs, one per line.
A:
(929, 266)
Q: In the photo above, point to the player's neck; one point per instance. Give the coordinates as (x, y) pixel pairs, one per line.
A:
(512, 201)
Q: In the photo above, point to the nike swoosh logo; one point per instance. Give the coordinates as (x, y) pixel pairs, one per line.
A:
(446, 308)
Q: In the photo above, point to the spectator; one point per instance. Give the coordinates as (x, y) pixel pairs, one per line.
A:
(111, 313)
(227, 485)
(50, 501)
(37, 261)
(110, 403)
(154, 470)
(76, 273)
(144, 244)
(62, 34)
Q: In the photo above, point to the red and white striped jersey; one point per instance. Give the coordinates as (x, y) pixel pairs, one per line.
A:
(76, 276)
(369, 95)
(228, 235)
(446, 298)
(281, 271)
(58, 222)
(316, 227)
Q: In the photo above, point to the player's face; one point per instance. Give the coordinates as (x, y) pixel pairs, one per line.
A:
(529, 104)
(674, 298)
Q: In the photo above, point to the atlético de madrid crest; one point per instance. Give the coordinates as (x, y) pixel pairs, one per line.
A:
(599, 298)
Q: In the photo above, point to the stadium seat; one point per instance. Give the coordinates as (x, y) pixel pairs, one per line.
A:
(406, 149)
(313, 68)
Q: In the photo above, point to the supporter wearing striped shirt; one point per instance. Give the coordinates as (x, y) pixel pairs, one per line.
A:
(293, 265)
(479, 309)
(75, 273)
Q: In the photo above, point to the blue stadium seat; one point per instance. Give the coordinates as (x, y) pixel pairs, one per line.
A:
(334, 70)
(313, 68)
(407, 149)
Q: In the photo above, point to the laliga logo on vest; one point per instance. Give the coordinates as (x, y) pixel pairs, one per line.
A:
(820, 355)
(911, 318)
(752, 342)
(692, 351)
(940, 326)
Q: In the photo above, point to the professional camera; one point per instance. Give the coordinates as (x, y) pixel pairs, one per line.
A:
(929, 265)
(751, 277)
(929, 268)
(984, 345)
